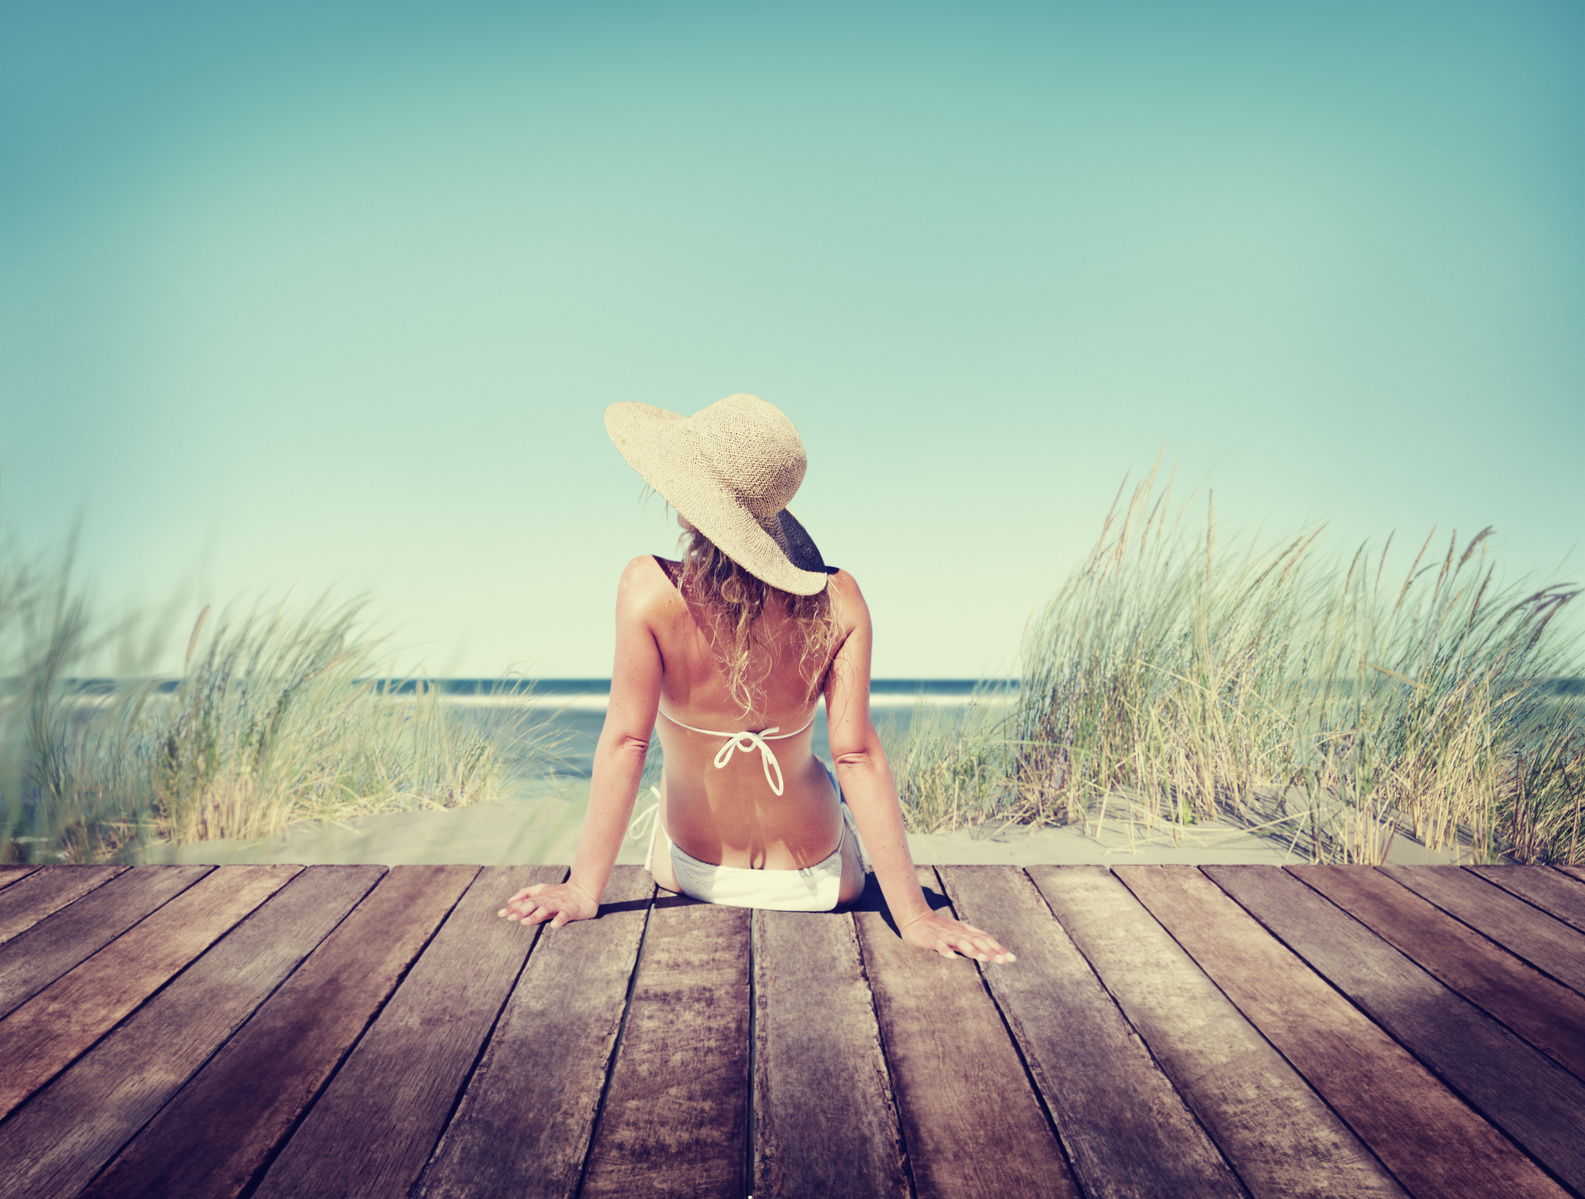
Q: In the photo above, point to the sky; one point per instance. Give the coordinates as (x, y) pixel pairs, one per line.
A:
(334, 294)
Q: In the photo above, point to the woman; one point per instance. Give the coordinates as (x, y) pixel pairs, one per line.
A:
(732, 648)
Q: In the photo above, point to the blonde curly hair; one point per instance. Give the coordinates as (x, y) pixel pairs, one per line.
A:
(734, 603)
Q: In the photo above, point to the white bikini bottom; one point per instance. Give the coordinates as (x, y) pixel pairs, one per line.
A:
(813, 889)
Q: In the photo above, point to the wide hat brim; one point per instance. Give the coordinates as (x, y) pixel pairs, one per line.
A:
(668, 452)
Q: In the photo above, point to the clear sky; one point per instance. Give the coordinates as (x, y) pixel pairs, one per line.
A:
(294, 294)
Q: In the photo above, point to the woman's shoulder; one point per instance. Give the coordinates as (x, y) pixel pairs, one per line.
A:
(842, 580)
(848, 608)
(646, 584)
(844, 588)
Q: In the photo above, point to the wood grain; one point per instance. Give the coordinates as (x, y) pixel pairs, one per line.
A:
(972, 1123)
(1433, 1144)
(1550, 890)
(39, 956)
(379, 1118)
(43, 1036)
(41, 892)
(1528, 1096)
(66, 1132)
(824, 1123)
(211, 1139)
(1541, 1010)
(14, 874)
(675, 1120)
(1523, 929)
(1574, 872)
(206, 1046)
(524, 1123)
(1126, 1129)
(1280, 1136)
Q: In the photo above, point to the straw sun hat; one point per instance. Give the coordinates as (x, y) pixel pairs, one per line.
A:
(729, 470)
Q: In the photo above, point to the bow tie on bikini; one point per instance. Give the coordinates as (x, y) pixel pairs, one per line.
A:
(748, 742)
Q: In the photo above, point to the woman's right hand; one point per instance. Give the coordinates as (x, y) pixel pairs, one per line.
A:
(560, 903)
(950, 937)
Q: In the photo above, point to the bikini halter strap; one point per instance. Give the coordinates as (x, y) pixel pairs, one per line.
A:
(748, 742)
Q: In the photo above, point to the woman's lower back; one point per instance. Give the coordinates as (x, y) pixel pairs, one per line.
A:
(729, 816)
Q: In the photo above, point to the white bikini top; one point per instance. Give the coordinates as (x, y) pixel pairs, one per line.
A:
(747, 742)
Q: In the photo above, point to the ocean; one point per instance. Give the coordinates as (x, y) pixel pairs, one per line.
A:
(574, 710)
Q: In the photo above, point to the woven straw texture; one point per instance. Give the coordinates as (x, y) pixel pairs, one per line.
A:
(730, 470)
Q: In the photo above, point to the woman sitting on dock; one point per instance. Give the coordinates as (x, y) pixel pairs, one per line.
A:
(732, 647)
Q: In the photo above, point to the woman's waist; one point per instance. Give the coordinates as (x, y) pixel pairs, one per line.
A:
(738, 822)
(740, 781)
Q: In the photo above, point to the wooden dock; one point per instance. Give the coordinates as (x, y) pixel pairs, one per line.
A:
(270, 1031)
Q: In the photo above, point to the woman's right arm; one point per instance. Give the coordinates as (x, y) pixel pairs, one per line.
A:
(871, 792)
(618, 761)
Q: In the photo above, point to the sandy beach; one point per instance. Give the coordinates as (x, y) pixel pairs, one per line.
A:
(542, 826)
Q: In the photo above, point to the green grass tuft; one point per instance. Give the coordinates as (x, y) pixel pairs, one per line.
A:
(280, 716)
(1171, 680)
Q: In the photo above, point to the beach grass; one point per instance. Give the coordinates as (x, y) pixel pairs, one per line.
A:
(283, 713)
(950, 763)
(1343, 701)
(1173, 681)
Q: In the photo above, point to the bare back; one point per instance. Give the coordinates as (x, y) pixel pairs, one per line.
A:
(730, 815)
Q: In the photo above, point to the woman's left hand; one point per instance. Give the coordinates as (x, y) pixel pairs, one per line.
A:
(950, 937)
(560, 903)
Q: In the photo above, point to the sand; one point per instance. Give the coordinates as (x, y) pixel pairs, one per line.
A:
(542, 825)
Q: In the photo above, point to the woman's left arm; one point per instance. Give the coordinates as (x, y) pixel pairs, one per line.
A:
(618, 760)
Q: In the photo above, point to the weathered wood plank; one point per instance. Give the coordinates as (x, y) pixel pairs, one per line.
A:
(48, 890)
(217, 1132)
(1576, 872)
(1281, 1137)
(824, 1122)
(1550, 890)
(970, 1117)
(44, 1035)
(1530, 1097)
(14, 874)
(1523, 929)
(65, 1133)
(1126, 1129)
(675, 1120)
(1541, 1010)
(1434, 1145)
(524, 1123)
(39, 956)
(379, 1118)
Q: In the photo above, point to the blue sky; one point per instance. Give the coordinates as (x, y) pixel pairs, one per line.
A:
(297, 295)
